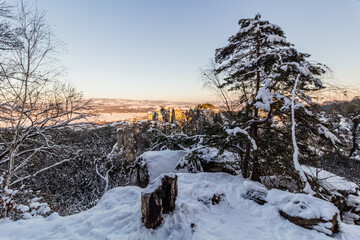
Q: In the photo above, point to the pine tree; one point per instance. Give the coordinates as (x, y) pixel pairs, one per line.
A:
(265, 69)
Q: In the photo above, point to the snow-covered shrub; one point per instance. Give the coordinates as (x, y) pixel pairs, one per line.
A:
(344, 117)
(72, 186)
(209, 159)
(21, 204)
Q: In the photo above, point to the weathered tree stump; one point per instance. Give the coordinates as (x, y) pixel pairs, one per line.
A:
(157, 199)
(151, 208)
(170, 192)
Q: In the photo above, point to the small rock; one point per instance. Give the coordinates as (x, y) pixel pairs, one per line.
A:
(256, 191)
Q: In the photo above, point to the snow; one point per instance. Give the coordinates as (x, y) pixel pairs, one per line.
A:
(345, 124)
(246, 29)
(284, 68)
(156, 183)
(297, 165)
(255, 190)
(330, 181)
(118, 216)
(325, 131)
(211, 154)
(304, 71)
(237, 130)
(318, 83)
(275, 38)
(22, 208)
(302, 205)
(159, 162)
(206, 155)
(266, 97)
(254, 186)
(10, 191)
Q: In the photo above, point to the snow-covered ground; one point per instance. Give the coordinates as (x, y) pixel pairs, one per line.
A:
(330, 181)
(118, 216)
(159, 162)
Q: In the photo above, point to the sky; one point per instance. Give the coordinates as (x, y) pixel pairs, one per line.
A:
(142, 49)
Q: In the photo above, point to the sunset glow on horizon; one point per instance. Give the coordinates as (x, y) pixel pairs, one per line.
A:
(154, 49)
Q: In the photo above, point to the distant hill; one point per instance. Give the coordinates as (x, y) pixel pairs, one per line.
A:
(110, 109)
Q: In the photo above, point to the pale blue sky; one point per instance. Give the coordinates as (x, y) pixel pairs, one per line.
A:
(142, 49)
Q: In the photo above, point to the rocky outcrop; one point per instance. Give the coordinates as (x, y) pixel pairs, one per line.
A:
(160, 132)
(158, 199)
(133, 139)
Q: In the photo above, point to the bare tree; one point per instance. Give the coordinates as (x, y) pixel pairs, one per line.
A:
(33, 99)
(213, 82)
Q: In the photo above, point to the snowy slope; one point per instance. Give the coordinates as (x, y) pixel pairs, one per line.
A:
(329, 180)
(117, 216)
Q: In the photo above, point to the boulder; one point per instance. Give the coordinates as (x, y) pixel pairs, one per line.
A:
(157, 199)
(256, 191)
(321, 225)
(305, 210)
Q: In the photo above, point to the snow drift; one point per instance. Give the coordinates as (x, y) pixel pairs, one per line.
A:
(118, 216)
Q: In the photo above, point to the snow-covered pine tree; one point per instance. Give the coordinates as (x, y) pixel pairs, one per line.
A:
(263, 67)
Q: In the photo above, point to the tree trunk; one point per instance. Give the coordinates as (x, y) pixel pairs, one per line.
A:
(11, 163)
(356, 125)
(9, 174)
(255, 167)
(255, 175)
(245, 163)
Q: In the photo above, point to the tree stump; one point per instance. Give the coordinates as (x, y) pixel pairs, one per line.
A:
(157, 199)
(170, 192)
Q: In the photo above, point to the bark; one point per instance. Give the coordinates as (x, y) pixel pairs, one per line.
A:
(255, 175)
(245, 163)
(170, 192)
(159, 201)
(151, 208)
(356, 125)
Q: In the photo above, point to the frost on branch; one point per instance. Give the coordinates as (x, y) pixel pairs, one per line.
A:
(266, 97)
(329, 135)
(297, 166)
